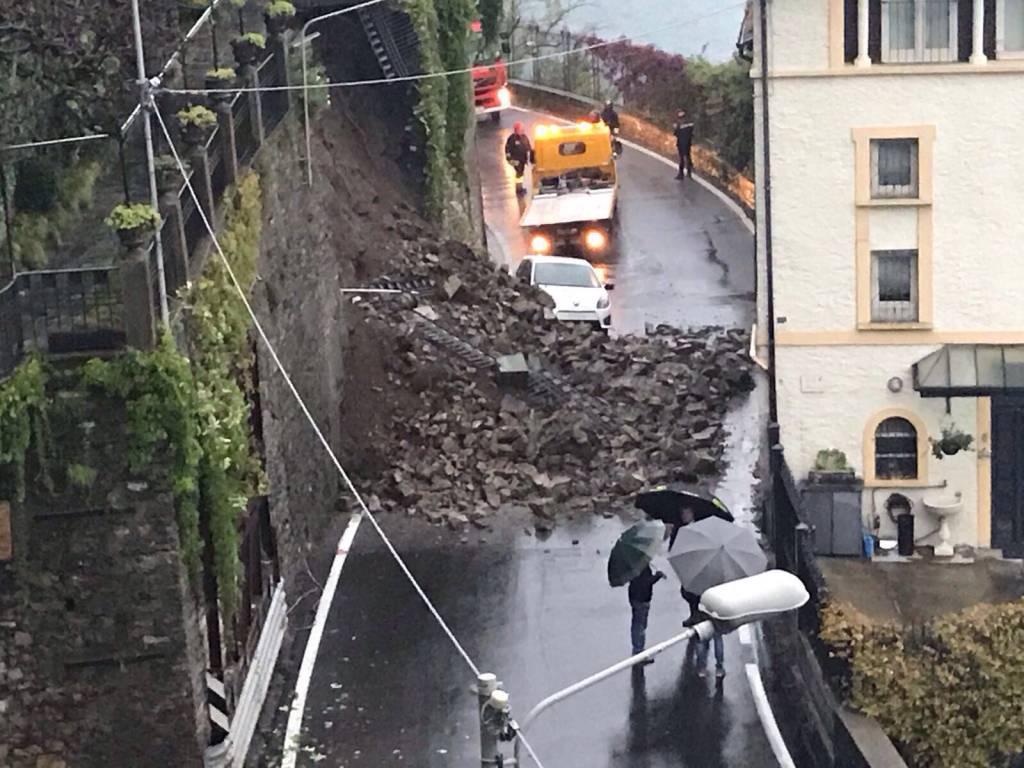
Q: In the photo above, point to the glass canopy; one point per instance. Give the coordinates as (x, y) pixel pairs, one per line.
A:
(971, 370)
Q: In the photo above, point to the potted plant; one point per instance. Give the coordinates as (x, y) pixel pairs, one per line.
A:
(276, 16)
(247, 47)
(831, 466)
(168, 174)
(196, 124)
(952, 441)
(219, 79)
(133, 222)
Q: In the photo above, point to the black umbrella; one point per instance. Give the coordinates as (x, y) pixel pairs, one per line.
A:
(666, 503)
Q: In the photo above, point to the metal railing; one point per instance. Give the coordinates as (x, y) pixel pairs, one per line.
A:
(59, 311)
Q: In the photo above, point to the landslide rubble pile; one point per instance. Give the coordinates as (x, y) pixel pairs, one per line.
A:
(636, 411)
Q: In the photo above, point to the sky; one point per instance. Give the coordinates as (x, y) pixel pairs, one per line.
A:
(689, 27)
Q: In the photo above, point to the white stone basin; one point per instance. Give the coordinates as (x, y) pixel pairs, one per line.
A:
(943, 506)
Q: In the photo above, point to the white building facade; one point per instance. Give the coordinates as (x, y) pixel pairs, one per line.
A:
(896, 145)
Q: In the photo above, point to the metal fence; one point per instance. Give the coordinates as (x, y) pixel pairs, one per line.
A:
(60, 311)
(579, 73)
(791, 537)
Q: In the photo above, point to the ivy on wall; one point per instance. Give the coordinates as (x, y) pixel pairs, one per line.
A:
(443, 105)
(162, 405)
(196, 410)
(23, 423)
(950, 695)
(218, 328)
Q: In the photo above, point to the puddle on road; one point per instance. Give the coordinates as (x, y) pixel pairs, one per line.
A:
(745, 427)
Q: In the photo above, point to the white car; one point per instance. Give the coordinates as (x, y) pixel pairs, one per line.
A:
(574, 285)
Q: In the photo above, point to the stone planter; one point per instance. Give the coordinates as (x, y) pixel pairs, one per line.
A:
(133, 239)
(246, 52)
(832, 477)
(168, 181)
(215, 83)
(276, 25)
(195, 135)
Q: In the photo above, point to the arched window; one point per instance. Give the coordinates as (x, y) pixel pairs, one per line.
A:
(896, 450)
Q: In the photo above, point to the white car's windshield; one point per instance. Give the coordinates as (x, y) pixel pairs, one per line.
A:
(574, 275)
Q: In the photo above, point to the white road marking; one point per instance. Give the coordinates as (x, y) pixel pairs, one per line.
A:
(764, 712)
(293, 731)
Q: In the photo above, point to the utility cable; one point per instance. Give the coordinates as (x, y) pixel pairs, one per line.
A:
(450, 72)
(528, 748)
(305, 410)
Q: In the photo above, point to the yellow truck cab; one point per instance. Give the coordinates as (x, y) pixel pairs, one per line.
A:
(572, 204)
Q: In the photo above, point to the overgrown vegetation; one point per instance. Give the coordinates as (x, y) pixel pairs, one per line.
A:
(229, 469)
(717, 97)
(949, 696)
(23, 423)
(443, 104)
(161, 405)
(195, 413)
(49, 204)
(132, 216)
(490, 19)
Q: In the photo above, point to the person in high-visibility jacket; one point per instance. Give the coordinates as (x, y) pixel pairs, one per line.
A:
(518, 153)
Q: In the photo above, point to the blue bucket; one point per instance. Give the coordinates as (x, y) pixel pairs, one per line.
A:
(869, 546)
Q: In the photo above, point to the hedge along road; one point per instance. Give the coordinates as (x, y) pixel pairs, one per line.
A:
(388, 689)
(684, 256)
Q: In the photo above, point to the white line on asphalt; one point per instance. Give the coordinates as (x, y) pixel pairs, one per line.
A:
(764, 711)
(293, 731)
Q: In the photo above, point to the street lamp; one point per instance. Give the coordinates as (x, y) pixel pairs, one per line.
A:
(305, 95)
(729, 606)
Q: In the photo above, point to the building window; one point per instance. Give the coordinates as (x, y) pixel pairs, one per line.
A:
(915, 31)
(1010, 29)
(894, 286)
(894, 168)
(895, 450)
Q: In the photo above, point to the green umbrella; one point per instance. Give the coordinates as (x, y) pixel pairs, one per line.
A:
(634, 550)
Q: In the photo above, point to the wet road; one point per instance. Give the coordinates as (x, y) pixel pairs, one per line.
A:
(389, 689)
(684, 258)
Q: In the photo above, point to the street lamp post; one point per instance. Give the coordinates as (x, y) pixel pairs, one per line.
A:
(305, 95)
(729, 606)
(145, 102)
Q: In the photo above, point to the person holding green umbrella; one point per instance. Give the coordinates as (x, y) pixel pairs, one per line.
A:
(641, 591)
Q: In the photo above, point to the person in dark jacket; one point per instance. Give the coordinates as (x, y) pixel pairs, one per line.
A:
(518, 152)
(610, 116)
(641, 591)
(684, 142)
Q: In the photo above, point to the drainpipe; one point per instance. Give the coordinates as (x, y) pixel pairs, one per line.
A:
(773, 409)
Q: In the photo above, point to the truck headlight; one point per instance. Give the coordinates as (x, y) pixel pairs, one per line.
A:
(603, 303)
(504, 97)
(595, 239)
(540, 244)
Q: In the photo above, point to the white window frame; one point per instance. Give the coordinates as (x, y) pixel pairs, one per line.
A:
(911, 191)
(896, 311)
(1001, 52)
(919, 54)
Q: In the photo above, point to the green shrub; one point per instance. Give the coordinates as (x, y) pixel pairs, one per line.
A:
(81, 476)
(23, 421)
(132, 216)
(279, 8)
(260, 41)
(197, 115)
(223, 73)
(949, 696)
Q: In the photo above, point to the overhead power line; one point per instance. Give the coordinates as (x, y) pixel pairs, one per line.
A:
(305, 410)
(451, 72)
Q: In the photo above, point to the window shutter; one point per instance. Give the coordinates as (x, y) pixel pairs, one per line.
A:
(989, 46)
(875, 30)
(964, 29)
(850, 31)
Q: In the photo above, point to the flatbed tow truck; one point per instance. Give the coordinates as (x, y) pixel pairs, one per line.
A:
(572, 208)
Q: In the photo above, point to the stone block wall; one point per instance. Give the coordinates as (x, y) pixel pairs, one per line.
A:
(100, 646)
